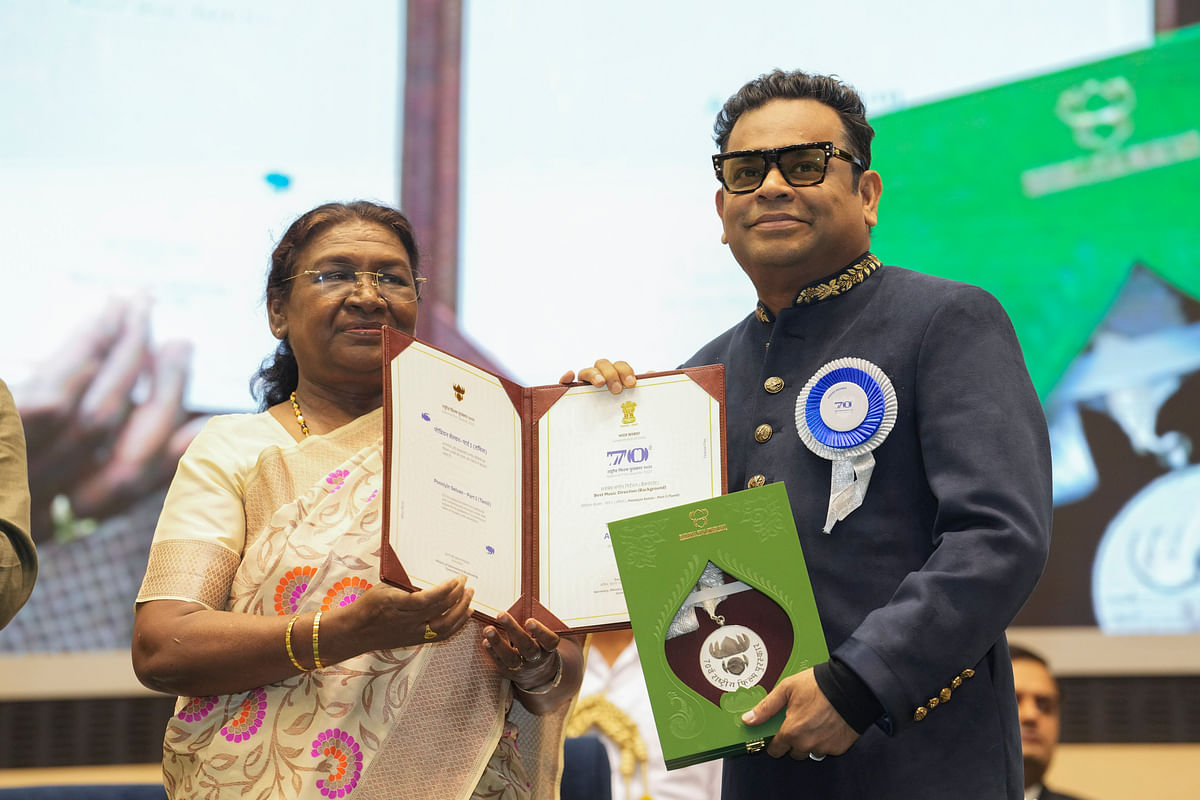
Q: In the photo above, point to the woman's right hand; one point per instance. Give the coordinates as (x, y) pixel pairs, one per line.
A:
(185, 648)
(384, 617)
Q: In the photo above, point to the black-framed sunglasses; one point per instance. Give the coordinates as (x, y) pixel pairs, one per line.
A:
(743, 171)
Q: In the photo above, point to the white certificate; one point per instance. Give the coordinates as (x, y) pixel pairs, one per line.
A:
(456, 476)
(604, 457)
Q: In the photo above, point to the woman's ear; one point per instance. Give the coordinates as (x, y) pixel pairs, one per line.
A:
(277, 315)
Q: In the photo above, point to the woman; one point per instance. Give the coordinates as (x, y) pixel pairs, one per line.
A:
(299, 673)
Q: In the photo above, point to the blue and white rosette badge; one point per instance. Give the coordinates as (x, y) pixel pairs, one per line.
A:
(844, 412)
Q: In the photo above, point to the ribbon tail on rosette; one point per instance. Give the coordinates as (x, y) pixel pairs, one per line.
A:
(848, 488)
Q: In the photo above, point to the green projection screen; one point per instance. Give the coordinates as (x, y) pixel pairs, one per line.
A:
(1071, 197)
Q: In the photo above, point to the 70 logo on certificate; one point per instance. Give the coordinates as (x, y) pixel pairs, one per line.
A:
(632, 455)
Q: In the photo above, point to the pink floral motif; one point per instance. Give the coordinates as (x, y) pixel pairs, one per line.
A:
(336, 479)
(197, 708)
(341, 761)
(249, 717)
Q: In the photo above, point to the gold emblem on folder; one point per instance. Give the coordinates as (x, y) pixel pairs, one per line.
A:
(459, 391)
(699, 518)
(627, 409)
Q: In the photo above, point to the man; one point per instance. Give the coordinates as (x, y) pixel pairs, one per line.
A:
(922, 539)
(1039, 702)
(18, 560)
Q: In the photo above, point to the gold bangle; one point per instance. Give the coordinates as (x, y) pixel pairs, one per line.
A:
(287, 640)
(316, 636)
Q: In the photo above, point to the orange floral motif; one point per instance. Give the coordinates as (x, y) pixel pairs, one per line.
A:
(291, 588)
(344, 592)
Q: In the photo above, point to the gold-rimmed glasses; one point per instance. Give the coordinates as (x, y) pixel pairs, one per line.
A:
(340, 282)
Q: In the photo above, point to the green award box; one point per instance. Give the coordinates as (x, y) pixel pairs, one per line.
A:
(722, 610)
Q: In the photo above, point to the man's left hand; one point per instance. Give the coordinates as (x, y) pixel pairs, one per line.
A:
(616, 375)
(810, 726)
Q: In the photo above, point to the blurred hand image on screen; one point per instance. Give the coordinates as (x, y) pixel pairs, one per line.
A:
(105, 426)
(93, 448)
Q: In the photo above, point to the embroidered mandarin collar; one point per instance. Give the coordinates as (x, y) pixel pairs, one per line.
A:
(840, 283)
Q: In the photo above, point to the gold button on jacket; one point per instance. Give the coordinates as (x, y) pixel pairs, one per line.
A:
(763, 432)
(756, 481)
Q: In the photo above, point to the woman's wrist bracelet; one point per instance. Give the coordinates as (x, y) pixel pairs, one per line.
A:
(549, 685)
(316, 633)
(287, 641)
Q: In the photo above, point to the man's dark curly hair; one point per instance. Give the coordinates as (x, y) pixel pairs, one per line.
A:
(798, 85)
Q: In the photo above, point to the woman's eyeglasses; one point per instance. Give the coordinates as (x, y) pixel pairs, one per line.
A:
(339, 283)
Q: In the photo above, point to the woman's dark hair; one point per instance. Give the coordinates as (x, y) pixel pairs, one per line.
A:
(276, 378)
(798, 85)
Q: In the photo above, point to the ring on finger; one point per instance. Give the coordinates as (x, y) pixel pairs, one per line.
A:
(816, 757)
(430, 633)
(537, 657)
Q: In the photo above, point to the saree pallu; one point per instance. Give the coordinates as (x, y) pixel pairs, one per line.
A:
(421, 722)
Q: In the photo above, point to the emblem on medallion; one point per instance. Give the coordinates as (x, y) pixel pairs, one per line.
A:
(733, 657)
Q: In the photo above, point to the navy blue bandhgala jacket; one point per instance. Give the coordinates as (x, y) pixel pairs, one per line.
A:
(916, 587)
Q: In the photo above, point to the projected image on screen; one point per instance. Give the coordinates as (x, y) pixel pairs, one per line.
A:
(151, 155)
(1079, 221)
(1124, 435)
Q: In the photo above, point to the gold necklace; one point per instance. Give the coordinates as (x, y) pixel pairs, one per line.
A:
(299, 416)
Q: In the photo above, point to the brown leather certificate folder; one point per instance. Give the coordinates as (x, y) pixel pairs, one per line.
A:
(513, 486)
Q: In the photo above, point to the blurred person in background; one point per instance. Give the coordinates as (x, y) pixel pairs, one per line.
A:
(613, 702)
(18, 558)
(1039, 707)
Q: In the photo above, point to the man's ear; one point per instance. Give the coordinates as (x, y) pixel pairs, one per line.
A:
(720, 201)
(277, 315)
(870, 187)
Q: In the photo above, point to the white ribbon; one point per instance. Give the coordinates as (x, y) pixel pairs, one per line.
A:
(848, 487)
(710, 590)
